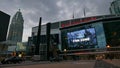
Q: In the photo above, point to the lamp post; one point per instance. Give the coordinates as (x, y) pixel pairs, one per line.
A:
(108, 46)
(65, 50)
(65, 55)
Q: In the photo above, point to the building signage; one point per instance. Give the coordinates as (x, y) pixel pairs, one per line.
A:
(75, 22)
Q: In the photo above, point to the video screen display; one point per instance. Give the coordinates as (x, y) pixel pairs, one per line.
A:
(82, 38)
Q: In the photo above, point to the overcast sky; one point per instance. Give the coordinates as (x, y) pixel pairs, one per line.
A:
(52, 10)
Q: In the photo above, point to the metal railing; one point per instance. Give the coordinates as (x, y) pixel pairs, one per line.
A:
(91, 51)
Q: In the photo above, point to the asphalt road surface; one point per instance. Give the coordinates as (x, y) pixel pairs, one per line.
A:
(62, 64)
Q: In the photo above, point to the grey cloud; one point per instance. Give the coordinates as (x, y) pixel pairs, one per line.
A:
(98, 7)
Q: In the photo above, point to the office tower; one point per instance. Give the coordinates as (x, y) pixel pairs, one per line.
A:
(115, 7)
(4, 22)
(16, 27)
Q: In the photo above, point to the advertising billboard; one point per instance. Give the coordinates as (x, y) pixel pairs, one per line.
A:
(82, 38)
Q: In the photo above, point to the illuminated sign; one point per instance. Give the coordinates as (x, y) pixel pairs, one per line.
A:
(75, 22)
(81, 40)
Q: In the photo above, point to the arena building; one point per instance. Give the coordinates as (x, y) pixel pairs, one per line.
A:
(81, 37)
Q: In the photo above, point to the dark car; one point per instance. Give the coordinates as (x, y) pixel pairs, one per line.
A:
(12, 60)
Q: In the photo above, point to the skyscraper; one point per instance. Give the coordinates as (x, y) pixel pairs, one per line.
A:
(4, 22)
(16, 27)
(115, 7)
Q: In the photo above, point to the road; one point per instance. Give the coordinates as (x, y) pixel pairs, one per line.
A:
(62, 64)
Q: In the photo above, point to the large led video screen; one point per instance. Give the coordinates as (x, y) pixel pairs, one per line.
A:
(83, 38)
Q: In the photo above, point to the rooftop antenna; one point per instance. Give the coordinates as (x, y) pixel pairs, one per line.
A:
(84, 12)
(73, 14)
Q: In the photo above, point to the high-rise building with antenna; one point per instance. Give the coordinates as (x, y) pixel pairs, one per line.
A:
(16, 27)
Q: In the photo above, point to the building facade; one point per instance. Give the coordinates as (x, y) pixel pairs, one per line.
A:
(115, 7)
(4, 22)
(16, 28)
(91, 32)
(54, 38)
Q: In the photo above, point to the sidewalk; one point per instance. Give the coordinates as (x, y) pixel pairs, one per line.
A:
(115, 62)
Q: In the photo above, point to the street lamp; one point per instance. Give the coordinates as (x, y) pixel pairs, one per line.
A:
(65, 50)
(65, 56)
(108, 46)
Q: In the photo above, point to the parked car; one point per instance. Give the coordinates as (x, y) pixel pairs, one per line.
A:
(12, 60)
